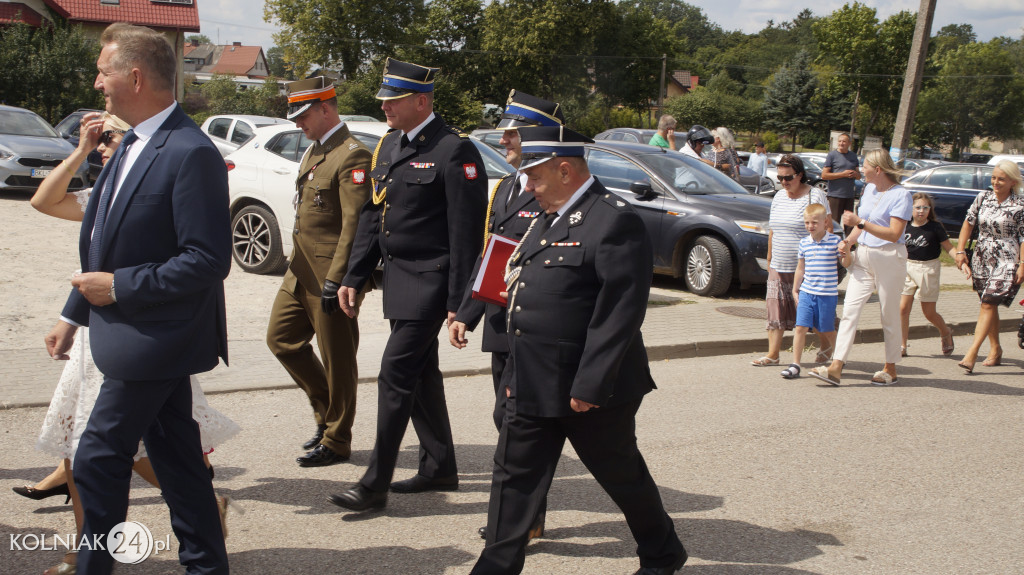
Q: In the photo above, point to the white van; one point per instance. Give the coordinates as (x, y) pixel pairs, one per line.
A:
(1017, 158)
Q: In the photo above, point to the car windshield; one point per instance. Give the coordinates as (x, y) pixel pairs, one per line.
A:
(681, 172)
(25, 124)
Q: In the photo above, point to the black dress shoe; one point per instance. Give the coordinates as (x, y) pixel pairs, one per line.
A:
(320, 456)
(37, 494)
(317, 437)
(663, 570)
(359, 498)
(418, 483)
(536, 530)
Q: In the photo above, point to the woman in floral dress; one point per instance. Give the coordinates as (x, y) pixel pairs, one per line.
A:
(997, 268)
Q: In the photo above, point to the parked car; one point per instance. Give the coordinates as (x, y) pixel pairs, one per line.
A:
(230, 132)
(1016, 158)
(953, 187)
(68, 129)
(261, 178)
(705, 228)
(30, 149)
(976, 158)
(636, 136)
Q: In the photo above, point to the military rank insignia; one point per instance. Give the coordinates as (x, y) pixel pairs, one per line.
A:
(358, 176)
(575, 219)
(525, 214)
(470, 170)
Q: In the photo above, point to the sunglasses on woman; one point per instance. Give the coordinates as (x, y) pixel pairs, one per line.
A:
(108, 136)
(786, 178)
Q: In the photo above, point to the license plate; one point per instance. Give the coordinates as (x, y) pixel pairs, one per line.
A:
(40, 173)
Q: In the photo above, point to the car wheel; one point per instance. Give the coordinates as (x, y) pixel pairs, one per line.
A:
(708, 267)
(256, 240)
(821, 185)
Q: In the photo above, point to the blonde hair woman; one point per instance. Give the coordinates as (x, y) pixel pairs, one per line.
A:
(726, 160)
(997, 268)
(881, 263)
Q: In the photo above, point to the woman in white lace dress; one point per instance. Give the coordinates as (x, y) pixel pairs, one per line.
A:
(80, 381)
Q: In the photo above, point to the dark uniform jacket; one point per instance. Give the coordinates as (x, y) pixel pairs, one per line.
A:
(510, 221)
(333, 184)
(579, 302)
(427, 230)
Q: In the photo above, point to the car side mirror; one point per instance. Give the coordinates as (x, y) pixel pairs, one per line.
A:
(642, 190)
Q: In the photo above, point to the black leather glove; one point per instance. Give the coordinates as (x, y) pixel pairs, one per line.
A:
(329, 297)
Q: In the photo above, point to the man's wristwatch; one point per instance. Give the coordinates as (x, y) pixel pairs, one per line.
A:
(860, 224)
(112, 294)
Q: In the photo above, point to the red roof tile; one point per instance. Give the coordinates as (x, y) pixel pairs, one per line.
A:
(143, 12)
(11, 12)
(237, 60)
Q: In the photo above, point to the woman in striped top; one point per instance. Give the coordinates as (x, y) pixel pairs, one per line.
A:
(786, 229)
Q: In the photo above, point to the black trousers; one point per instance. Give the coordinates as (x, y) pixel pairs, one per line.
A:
(524, 465)
(159, 413)
(410, 386)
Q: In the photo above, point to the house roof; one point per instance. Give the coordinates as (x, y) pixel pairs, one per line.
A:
(13, 12)
(184, 17)
(684, 79)
(236, 60)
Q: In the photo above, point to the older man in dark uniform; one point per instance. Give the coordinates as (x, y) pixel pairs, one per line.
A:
(424, 222)
(331, 188)
(509, 214)
(578, 287)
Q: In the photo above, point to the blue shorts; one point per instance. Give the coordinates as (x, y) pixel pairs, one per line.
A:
(817, 311)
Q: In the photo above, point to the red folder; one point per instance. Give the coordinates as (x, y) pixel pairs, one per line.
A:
(490, 280)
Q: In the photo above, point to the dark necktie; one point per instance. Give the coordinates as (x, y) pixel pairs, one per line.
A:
(405, 141)
(514, 193)
(548, 220)
(96, 245)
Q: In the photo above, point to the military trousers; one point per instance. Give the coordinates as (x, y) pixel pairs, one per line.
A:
(330, 380)
(410, 387)
(524, 464)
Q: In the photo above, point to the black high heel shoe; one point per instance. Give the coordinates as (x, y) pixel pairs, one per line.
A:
(37, 494)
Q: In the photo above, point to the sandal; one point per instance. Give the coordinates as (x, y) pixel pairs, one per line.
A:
(791, 372)
(993, 361)
(764, 362)
(822, 374)
(947, 344)
(903, 351)
(63, 568)
(968, 368)
(824, 355)
(883, 378)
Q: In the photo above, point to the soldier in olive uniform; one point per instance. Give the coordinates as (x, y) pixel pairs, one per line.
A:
(425, 223)
(332, 186)
(578, 287)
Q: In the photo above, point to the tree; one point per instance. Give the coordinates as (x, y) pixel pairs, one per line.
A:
(867, 57)
(198, 38)
(49, 70)
(277, 64)
(977, 95)
(787, 101)
(712, 109)
(341, 34)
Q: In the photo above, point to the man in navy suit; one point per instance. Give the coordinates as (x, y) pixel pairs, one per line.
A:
(155, 247)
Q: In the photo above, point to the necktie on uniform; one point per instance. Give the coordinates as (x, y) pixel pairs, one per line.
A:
(548, 220)
(405, 141)
(96, 245)
(514, 193)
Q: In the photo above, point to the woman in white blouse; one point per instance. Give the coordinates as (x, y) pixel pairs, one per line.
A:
(880, 264)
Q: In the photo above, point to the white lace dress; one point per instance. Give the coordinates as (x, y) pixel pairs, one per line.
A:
(79, 386)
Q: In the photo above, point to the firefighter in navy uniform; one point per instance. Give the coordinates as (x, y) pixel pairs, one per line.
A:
(578, 287)
(424, 223)
(509, 214)
(331, 188)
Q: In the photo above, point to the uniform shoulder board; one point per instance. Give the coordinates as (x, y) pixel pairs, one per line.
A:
(614, 200)
(457, 131)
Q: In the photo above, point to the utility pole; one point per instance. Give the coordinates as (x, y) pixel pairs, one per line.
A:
(912, 81)
(661, 87)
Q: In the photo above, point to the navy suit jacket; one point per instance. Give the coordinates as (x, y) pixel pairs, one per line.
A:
(167, 240)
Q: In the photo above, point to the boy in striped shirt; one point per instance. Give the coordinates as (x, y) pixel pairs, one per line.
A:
(816, 284)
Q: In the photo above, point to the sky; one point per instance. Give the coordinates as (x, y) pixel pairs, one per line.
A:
(227, 21)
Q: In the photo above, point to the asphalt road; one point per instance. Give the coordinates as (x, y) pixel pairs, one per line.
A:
(762, 476)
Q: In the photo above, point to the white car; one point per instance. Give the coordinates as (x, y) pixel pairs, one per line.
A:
(232, 131)
(261, 178)
(1016, 158)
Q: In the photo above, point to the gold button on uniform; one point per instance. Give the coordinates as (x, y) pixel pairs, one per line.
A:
(518, 333)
